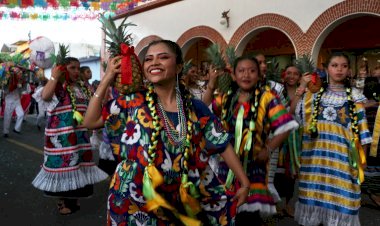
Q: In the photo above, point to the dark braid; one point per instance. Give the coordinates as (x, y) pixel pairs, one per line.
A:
(351, 105)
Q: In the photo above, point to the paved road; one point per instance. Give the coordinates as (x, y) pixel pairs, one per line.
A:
(22, 204)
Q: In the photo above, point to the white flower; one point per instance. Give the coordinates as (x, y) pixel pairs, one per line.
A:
(208, 175)
(55, 141)
(115, 110)
(74, 159)
(132, 133)
(329, 114)
(216, 205)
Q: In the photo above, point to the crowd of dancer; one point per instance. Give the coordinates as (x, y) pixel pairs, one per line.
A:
(180, 152)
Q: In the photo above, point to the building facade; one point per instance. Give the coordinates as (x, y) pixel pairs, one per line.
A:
(281, 29)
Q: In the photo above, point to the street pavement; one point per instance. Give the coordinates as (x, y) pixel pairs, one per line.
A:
(21, 204)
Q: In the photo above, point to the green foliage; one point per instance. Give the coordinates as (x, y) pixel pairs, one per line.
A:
(116, 34)
(214, 54)
(305, 64)
(186, 66)
(63, 52)
(230, 55)
(273, 71)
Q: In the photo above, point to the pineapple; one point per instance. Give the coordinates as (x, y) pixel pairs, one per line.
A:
(306, 66)
(119, 39)
(215, 56)
(60, 60)
(63, 51)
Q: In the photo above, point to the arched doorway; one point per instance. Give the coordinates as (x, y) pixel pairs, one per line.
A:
(357, 35)
(272, 43)
(194, 50)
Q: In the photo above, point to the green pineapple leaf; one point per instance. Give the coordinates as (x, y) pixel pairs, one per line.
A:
(230, 55)
(116, 35)
(62, 54)
(305, 64)
(186, 66)
(214, 54)
(273, 72)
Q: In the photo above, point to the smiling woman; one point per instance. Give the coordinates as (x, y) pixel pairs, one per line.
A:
(163, 139)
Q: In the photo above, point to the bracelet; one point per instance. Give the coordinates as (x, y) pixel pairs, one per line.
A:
(96, 95)
(245, 187)
(300, 91)
(52, 78)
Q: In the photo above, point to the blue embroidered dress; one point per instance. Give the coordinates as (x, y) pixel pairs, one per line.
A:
(329, 192)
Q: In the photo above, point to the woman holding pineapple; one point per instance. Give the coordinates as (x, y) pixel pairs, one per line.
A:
(68, 171)
(163, 138)
(332, 156)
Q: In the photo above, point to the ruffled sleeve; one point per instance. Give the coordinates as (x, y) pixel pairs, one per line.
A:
(48, 105)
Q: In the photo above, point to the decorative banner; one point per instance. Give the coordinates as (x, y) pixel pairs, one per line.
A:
(64, 9)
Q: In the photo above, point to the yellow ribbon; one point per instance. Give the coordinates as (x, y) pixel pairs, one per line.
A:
(153, 179)
(376, 135)
(362, 159)
(190, 203)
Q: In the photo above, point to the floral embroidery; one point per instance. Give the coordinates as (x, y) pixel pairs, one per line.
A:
(115, 110)
(145, 119)
(131, 133)
(329, 114)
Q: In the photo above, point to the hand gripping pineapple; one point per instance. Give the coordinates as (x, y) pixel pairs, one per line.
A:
(119, 43)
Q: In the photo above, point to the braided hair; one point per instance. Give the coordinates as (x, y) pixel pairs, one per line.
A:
(232, 94)
(317, 101)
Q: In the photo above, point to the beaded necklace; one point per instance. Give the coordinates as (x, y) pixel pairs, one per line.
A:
(176, 138)
(353, 114)
(77, 116)
(152, 178)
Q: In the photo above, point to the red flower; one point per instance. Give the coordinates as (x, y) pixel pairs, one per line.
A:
(87, 156)
(118, 206)
(72, 138)
(54, 121)
(135, 102)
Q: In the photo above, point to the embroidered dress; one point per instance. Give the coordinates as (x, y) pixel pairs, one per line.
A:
(273, 119)
(68, 169)
(129, 126)
(329, 192)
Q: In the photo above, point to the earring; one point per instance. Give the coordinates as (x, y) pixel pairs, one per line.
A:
(327, 77)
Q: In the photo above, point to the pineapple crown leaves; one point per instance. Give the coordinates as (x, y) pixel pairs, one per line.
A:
(214, 54)
(186, 66)
(17, 59)
(62, 54)
(305, 64)
(230, 55)
(274, 72)
(116, 34)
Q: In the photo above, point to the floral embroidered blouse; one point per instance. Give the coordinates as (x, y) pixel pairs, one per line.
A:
(129, 125)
